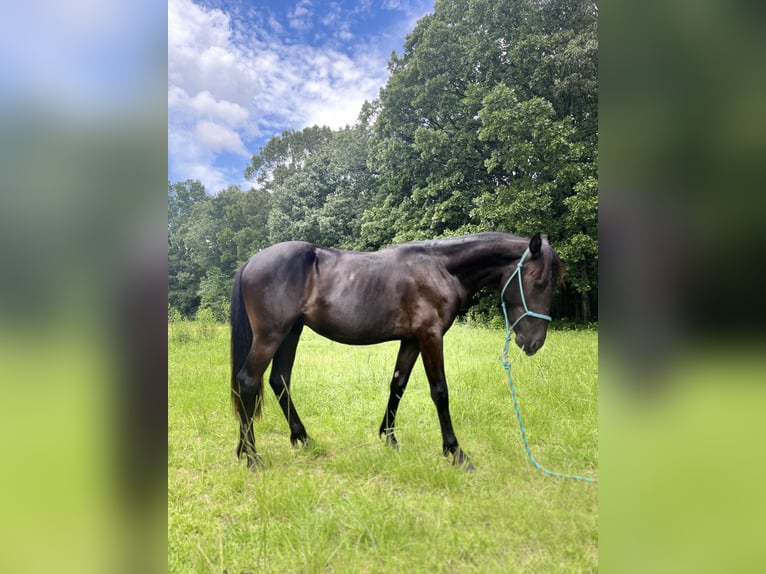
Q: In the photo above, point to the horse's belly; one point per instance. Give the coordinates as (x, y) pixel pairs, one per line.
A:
(357, 328)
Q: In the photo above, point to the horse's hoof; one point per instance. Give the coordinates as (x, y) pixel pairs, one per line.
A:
(255, 463)
(391, 441)
(303, 439)
(460, 459)
(465, 464)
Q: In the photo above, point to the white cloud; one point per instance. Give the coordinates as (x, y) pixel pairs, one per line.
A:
(216, 137)
(301, 16)
(194, 162)
(204, 104)
(232, 83)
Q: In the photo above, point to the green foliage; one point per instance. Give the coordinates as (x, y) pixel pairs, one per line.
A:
(174, 315)
(284, 155)
(209, 237)
(215, 294)
(183, 272)
(178, 331)
(489, 121)
(318, 183)
(205, 323)
(481, 315)
(205, 316)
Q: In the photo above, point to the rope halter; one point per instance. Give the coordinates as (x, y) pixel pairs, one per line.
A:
(527, 312)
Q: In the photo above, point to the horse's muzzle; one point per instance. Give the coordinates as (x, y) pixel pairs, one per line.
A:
(530, 347)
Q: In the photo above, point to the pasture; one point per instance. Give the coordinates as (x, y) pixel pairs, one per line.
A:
(350, 504)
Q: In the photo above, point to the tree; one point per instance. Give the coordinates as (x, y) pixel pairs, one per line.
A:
(489, 121)
(209, 236)
(215, 294)
(318, 183)
(549, 181)
(183, 274)
(282, 156)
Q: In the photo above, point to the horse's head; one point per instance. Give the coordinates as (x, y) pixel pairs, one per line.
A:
(528, 291)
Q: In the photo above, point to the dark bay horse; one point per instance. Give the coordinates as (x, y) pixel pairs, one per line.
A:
(409, 293)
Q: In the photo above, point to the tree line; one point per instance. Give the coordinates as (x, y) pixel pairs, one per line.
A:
(489, 121)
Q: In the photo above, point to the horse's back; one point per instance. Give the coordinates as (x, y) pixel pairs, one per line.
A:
(280, 261)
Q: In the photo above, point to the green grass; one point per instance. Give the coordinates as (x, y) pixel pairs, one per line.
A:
(349, 504)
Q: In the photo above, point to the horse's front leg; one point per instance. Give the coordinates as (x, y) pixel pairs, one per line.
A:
(408, 354)
(431, 347)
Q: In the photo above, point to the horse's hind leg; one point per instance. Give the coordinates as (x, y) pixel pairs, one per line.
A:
(405, 360)
(250, 379)
(279, 380)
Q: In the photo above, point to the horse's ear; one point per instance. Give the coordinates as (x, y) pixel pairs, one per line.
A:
(535, 244)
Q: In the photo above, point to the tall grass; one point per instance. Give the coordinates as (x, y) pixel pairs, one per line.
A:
(348, 503)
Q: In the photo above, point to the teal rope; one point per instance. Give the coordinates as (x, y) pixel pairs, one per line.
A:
(507, 365)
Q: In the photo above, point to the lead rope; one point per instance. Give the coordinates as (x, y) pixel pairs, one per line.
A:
(507, 365)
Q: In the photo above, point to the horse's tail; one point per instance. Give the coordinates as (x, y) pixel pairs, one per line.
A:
(241, 342)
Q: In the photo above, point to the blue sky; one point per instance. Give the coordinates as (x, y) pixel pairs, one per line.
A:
(82, 59)
(241, 72)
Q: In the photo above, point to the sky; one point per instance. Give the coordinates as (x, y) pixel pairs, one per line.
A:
(240, 73)
(81, 58)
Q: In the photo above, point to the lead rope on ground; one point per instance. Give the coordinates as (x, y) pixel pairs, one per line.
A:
(507, 365)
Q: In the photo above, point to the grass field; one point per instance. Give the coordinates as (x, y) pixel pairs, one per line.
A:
(349, 504)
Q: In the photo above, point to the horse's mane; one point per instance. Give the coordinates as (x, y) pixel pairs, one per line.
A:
(553, 262)
(557, 268)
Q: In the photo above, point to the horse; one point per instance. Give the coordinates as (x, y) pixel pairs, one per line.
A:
(409, 293)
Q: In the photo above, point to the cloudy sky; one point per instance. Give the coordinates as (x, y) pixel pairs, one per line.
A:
(242, 72)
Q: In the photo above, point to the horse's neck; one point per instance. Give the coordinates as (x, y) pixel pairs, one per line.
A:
(483, 263)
